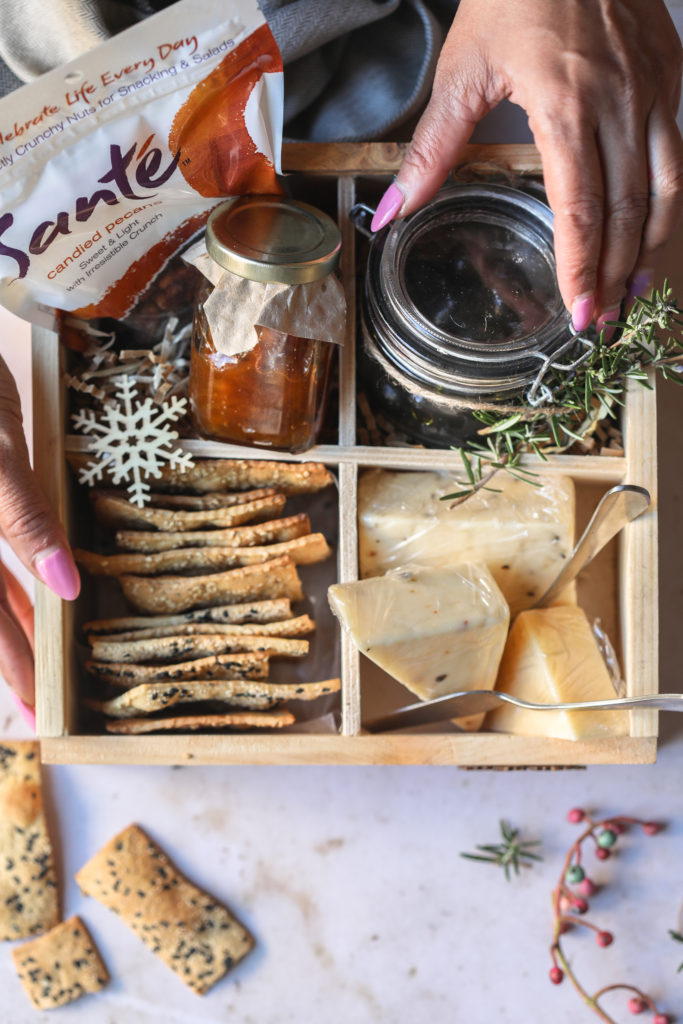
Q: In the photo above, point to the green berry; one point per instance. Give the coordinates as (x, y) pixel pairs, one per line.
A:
(575, 874)
(607, 838)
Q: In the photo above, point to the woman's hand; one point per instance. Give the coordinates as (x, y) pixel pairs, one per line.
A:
(36, 536)
(600, 81)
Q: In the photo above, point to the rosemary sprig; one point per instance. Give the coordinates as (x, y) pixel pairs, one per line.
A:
(512, 853)
(679, 938)
(651, 338)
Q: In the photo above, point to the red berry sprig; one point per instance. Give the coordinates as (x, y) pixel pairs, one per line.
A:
(570, 903)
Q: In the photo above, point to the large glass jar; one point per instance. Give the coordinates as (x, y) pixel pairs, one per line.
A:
(272, 394)
(461, 308)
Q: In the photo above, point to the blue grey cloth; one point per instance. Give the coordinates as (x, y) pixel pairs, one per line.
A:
(354, 69)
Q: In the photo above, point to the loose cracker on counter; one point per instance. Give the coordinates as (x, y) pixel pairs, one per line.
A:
(60, 966)
(29, 895)
(194, 934)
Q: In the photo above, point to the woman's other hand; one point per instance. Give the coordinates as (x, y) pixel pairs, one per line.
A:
(36, 536)
(600, 82)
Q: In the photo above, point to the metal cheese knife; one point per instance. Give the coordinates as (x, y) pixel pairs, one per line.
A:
(473, 702)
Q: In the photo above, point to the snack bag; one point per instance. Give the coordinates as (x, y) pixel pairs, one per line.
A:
(109, 163)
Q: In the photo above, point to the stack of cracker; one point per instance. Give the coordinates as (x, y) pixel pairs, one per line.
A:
(210, 566)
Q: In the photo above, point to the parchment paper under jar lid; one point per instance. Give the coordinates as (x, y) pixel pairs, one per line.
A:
(271, 261)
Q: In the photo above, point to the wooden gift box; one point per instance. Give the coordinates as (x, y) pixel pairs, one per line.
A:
(620, 588)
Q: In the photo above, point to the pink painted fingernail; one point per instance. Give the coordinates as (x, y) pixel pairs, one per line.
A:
(601, 323)
(58, 572)
(27, 713)
(389, 205)
(582, 311)
(641, 284)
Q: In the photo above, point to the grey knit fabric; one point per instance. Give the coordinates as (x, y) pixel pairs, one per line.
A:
(354, 69)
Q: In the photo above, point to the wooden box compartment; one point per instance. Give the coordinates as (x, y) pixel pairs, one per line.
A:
(620, 588)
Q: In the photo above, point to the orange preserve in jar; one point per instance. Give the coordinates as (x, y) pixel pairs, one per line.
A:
(265, 325)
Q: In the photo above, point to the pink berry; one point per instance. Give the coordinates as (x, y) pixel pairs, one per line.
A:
(651, 828)
(637, 1005)
(602, 853)
(605, 938)
(556, 975)
(660, 1018)
(576, 815)
(587, 888)
(565, 904)
(580, 905)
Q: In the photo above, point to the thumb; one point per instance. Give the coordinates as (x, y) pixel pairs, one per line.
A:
(456, 105)
(27, 522)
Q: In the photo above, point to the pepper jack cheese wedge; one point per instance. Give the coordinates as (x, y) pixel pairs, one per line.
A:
(435, 630)
(552, 656)
(523, 533)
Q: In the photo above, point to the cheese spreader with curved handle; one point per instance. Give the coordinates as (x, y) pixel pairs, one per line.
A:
(615, 509)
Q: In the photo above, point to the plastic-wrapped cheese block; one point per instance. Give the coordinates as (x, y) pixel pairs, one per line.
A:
(435, 630)
(552, 656)
(523, 533)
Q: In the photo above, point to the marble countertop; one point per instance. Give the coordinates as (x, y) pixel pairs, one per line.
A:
(351, 879)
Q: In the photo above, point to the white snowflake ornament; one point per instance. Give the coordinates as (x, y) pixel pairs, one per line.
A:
(131, 440)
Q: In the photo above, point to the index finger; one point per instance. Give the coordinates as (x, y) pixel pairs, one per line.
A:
(576, 193)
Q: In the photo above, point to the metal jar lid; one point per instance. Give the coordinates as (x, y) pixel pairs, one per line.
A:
(462, 295)
(269, 238)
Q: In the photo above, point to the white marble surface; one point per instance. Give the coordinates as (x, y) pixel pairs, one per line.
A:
(350, 878)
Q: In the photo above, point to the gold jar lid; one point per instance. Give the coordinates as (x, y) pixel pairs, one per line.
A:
(270, 238)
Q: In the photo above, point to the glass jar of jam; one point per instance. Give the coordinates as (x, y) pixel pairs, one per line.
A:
(271, 393)
(461, 307)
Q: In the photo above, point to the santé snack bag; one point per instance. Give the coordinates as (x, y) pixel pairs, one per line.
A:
(109, 163)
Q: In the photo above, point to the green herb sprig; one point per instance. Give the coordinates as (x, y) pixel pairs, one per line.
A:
(679, 938)
(511, 854)
(651, 338)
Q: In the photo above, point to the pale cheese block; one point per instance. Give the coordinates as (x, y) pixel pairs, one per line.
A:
(551, 656)
(436, 630)
(522, 532)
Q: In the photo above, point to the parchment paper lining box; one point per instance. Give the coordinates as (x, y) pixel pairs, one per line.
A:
(620, 587)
